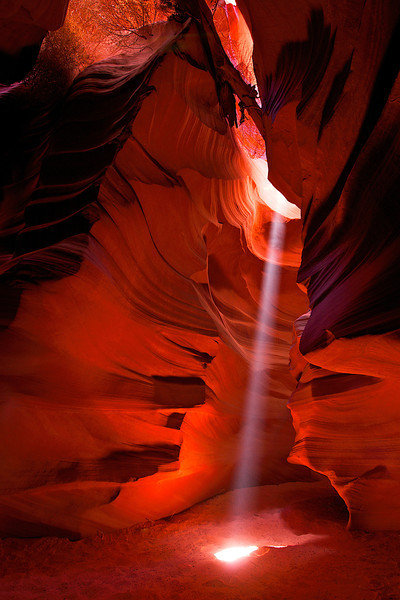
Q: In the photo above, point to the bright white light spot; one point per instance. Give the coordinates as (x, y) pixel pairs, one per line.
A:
(234, 553)
(269, 194)
(233, 2)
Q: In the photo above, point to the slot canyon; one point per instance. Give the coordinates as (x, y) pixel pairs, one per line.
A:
(200, 299)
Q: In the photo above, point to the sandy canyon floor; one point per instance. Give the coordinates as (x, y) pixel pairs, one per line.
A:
(173, 558)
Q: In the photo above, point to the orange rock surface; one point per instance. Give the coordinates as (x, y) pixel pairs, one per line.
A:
(135, 228)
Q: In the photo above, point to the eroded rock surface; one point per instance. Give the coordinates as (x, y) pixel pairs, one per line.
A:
(134, 230)
(133, 260)
(328, 79)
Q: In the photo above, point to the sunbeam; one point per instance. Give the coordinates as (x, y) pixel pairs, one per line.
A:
(255, 407)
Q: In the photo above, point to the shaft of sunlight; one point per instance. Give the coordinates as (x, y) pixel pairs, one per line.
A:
(256, 406)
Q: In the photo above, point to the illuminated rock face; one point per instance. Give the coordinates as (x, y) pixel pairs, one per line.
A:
(346, 415)
(328, 79)
(132, 299)
(134, 228)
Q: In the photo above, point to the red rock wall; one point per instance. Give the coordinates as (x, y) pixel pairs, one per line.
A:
(23, 25)
(134, 230)
(328, 79)
(133, 298)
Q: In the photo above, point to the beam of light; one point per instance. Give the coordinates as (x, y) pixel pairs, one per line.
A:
(255, 411)
(234, 553)
(255, 408)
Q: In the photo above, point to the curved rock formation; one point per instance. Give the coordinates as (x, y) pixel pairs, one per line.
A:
(132, 284)
(328, 79)
(135, 223)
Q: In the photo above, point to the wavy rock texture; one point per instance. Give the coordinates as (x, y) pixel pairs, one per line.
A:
(346, 416)
(134, 229)
(134, 234)
(328, 79)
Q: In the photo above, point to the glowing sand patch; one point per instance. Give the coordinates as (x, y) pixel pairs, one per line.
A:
(234, 553)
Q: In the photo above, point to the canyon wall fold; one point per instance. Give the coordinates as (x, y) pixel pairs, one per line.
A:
(328, 79)
(132, 220)
(136, 212)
